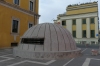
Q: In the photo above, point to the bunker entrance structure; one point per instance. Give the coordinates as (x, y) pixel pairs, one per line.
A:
(32, 41)
(47, 41)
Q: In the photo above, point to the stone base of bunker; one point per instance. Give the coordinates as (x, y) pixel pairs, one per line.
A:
(46, 55)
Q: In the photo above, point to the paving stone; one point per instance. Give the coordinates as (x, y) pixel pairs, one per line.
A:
(94, 63)
(6, 53)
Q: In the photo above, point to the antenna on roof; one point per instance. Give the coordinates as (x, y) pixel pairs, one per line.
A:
(79, 2)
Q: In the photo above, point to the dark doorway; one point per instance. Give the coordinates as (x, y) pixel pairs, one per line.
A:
(39, 41)
(14, 44)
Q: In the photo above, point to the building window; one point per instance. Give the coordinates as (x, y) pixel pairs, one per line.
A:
(84, 21)
(74, 34)
(91, 20)
(15, 26)
(92, 42)
(16, 2)
(64, 23)
(99, 32)
(84, 33)
(92, 33)
(30, 25)
(31, 5)
(14, 44)
(74, 21)
(39, 41)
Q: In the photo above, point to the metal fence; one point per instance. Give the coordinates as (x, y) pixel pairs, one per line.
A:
(87, 45)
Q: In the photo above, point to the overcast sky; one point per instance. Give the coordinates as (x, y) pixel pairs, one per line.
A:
(49, 9)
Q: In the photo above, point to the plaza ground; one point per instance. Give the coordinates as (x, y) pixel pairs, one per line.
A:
(7, 59)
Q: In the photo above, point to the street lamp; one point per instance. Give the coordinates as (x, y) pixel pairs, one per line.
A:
(99, 43)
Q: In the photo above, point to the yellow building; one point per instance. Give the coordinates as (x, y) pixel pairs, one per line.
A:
(16, 16)
(82, 21)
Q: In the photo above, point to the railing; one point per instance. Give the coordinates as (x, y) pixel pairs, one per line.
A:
(87, 45)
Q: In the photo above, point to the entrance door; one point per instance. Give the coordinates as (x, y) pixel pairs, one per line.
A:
(14, 44)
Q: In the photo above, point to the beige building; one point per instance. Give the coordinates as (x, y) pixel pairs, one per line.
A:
(82, 22)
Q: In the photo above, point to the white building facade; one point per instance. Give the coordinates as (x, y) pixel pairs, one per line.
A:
(83, 26)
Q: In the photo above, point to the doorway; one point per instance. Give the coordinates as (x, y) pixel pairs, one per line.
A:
(14, 44)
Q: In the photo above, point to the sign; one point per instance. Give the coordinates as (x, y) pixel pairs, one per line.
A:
(97, 34)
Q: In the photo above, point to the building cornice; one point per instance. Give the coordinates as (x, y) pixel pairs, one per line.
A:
(81, 6)
(16, 7)
(77, 14)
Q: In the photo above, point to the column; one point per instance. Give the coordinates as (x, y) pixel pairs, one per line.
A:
(78, 28)
(69, 25)
(88, 27)
(96, 27)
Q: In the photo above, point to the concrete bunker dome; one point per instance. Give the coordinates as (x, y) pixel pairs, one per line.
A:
(46, 39)
(52, 38)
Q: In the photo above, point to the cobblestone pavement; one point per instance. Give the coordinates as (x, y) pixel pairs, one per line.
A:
(7, 59)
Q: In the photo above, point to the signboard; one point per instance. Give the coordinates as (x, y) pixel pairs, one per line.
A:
(97, 34)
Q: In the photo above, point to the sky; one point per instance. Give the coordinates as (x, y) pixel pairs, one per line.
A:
(49, 9)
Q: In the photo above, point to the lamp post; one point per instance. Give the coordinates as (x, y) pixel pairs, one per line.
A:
(98, 29)
(99, 42)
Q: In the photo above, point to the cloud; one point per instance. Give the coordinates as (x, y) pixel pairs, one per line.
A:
(49, 9)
